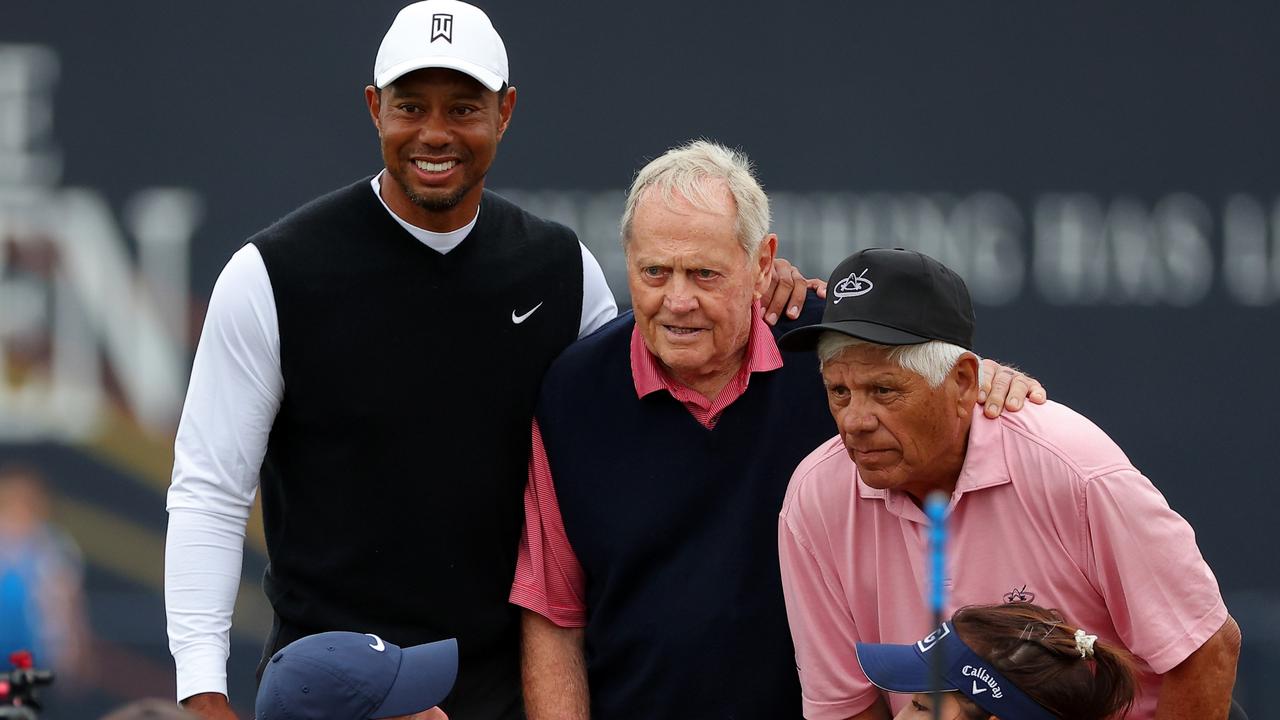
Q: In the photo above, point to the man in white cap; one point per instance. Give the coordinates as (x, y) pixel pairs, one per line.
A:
(371, 362)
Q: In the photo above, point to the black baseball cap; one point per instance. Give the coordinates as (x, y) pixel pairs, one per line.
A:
(892, 296)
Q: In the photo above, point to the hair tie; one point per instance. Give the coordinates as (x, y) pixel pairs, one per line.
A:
(1084, 643)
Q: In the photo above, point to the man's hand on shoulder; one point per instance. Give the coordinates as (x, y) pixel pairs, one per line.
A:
(787, 288)
(1007, 388)
(210, 705)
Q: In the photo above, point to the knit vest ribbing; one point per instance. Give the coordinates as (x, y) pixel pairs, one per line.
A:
(394, 473)
(676, 529)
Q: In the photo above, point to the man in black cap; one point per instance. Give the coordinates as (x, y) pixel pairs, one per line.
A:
(1043, 507)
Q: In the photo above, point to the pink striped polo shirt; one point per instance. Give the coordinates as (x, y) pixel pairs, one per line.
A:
(548, 577)
(1047, 509)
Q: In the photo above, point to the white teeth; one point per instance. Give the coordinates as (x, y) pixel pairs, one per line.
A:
(435, 167)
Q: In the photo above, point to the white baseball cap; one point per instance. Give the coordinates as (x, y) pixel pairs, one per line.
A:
(446, 34)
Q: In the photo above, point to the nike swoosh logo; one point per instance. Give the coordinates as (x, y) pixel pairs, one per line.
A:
(517, 319)
(977, 690)
(377, 643)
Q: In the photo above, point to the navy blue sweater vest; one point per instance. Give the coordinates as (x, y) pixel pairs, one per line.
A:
(676, 527)
(393, 479)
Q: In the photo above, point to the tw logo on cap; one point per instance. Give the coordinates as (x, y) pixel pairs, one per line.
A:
(442, 27)
(853, 286)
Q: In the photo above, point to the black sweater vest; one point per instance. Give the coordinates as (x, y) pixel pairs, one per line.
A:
(676, 527)
(393, 479)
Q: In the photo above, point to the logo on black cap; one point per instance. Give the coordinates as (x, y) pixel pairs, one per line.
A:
(442, 27)
(916, 299)
(853, 286)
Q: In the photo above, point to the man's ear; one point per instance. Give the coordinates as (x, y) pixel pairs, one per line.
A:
(373, 98)
(964, 378)
(506, 106)
(763, 266)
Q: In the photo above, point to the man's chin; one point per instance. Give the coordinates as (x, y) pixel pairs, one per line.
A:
(432, 199)
(685, 362)
(873, 476)
(437, 201)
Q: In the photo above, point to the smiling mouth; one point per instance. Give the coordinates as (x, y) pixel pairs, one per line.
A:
(678, 330)
(435, 167)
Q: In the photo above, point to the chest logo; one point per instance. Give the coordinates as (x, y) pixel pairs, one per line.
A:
(1020, 595)
(442, 27)
(852, 286)
(517, 319)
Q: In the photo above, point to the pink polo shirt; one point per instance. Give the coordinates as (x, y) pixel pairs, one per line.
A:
(1047, 509)
(549, 579)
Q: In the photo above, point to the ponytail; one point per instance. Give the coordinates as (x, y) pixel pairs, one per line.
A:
(1062, 668)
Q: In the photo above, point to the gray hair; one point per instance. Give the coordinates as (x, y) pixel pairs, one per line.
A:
(690, 171)
(931, 360)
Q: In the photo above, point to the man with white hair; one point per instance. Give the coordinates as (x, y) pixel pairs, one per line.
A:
(1043, 508)
(648, 568)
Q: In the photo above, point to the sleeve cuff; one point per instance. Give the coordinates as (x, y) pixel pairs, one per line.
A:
(200, 671)
(814, 710)
(531, 599)
(1172, 655)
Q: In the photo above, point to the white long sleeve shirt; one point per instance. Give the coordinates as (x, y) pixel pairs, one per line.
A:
(235, 390)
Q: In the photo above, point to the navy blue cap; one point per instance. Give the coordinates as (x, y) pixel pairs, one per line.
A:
(353, 676)
(891, 296)
(909, 669)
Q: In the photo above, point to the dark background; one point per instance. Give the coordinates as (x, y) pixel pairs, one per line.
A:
(258, 107)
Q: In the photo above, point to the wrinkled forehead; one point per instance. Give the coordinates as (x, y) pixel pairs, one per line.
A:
(865, 354)
(702, 195)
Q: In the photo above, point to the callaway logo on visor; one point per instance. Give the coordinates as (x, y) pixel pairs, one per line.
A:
(911, 668)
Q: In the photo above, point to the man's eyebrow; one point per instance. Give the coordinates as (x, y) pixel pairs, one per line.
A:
(886, 378)
(401, 94)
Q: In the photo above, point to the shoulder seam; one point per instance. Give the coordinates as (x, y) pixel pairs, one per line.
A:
(1064, 458)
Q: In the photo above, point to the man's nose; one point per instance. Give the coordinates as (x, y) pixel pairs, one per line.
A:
(679, 297)
(434, 130)
(858, 417)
